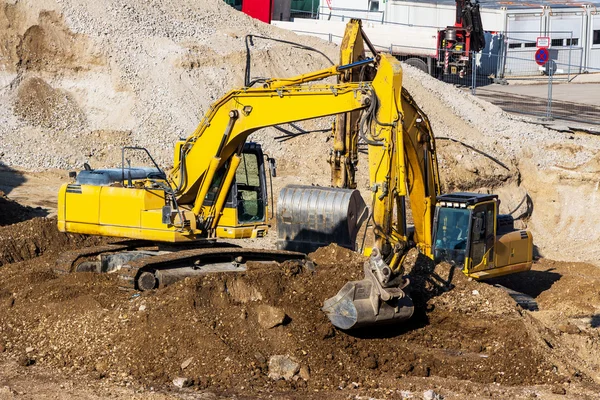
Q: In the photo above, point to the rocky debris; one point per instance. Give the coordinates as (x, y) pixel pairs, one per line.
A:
(187, 363)
(283, 367)
(270, 317)
(182, 382)
(431, 395)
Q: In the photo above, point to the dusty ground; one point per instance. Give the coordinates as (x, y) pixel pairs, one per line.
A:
(82, 326)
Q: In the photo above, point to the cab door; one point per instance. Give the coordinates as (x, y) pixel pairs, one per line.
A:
(481, 249)
(250, 191)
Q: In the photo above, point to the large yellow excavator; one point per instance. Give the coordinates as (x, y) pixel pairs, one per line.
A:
(217, 188)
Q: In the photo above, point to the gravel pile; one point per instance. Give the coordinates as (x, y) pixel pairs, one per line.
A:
(123, 72)
(79, 79)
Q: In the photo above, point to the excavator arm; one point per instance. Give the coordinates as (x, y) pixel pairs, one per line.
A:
(421, 182)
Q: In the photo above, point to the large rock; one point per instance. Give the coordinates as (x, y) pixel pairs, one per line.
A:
(283, 367)
(269, 316)
(182, 382)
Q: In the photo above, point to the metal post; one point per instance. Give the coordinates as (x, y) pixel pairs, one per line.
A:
(569, 67)
(312, 7)
(330, 38)
(549, 108)
(473, 73)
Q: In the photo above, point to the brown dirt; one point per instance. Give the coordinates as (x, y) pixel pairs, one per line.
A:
(46, 45)
(12, 212)
(29, 239)
(83, 324)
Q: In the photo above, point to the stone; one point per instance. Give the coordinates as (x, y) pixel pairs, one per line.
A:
(283, 367)
(25, 361)
(559, 390)
(304, 372)
(101, 366)
(9, 302)
(371, 362)
(431, 395)
(569, 328)
(187, 363)
(182, 382)
(270, 317)
(28, 349)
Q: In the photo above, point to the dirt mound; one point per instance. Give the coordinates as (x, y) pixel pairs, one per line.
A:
(38, 103)
(12, 212)
(26, 240)
(212, 325)
(168, 62)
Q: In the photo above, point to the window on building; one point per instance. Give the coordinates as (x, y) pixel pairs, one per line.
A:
(530, 44)
(373, 5)
(596, 38)
(572, 42)
(514, 45)
(556, 42)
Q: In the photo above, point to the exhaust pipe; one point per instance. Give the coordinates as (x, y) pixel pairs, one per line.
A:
(376, 300)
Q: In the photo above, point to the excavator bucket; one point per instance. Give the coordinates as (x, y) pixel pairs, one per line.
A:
(309, 217)
(373, 301)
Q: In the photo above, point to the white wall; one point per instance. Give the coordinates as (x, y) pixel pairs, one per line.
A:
(404, 39)
(594, 55)
(567, 22)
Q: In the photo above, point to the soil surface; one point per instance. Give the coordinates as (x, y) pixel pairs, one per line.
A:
(208, 330)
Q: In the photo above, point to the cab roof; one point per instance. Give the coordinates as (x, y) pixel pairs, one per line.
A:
(466, 198)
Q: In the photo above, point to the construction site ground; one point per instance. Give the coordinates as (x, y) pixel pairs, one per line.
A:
(81, 78)
(82, 335)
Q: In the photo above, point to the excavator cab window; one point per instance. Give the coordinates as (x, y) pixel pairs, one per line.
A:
(482, 237)
(451, 235)
(249, 181)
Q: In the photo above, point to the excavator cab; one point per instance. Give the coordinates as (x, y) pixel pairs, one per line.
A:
(471, 235)
(246, 208)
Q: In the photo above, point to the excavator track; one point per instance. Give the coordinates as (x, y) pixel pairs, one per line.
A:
(69, 261)
(161, 270)
(144, 266)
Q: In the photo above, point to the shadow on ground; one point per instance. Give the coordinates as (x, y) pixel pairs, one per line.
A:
(12, 212)
(532, 283)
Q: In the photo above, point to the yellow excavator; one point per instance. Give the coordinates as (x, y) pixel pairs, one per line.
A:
(217, 188)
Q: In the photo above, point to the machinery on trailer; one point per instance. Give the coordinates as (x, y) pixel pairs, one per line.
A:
(217, 188)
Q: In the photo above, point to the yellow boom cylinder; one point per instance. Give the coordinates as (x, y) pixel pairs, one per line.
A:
(210, 174)
(224, 192)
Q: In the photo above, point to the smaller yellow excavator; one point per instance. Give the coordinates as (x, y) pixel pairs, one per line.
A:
(217, 188)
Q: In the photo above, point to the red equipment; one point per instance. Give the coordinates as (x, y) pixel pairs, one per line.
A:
(259, 9)
(455, 43)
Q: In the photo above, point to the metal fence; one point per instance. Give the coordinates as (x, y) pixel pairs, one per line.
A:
(533, 88)
(490, 72)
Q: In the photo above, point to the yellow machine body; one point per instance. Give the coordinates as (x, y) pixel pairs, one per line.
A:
(470, 233)
(135, 209)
